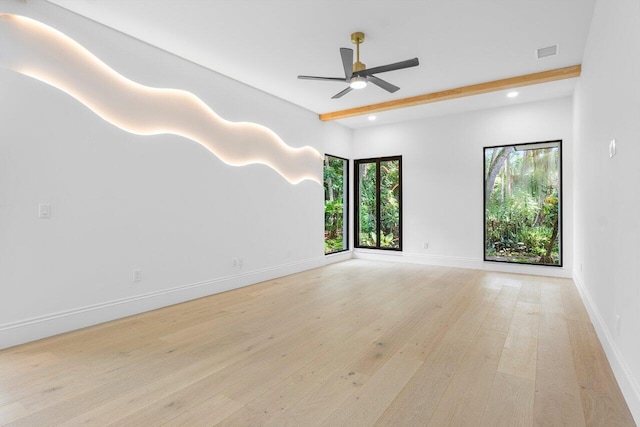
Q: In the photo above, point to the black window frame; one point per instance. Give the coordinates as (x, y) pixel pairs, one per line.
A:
(356, 215)
(560, 205)
(346, 205)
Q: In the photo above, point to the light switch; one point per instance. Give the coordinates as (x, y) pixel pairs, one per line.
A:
(44, 211)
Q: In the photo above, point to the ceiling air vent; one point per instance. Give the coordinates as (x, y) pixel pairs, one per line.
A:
(543, 52)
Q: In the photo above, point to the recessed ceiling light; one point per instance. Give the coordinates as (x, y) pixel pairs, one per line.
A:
(372, 118)
(512, 94)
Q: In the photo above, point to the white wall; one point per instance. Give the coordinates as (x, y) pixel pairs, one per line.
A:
(443, 178)
(607, 190)
(121, 201)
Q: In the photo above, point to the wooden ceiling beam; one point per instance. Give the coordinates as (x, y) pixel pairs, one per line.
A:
(460, 92)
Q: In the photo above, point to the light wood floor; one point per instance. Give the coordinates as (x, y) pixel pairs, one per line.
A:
(355, 343)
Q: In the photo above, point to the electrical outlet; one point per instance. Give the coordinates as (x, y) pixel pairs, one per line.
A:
(137, 275)
(234, 262)
(240, 262)
(425, 245)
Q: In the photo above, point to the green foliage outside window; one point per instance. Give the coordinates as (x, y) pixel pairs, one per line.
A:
(367, 205)
(522, 190)
(387, 234)
(335, 173)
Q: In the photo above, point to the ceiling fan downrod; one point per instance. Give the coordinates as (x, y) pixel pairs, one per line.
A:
(357, 38)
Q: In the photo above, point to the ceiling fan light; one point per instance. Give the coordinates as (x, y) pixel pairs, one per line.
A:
(358, 83)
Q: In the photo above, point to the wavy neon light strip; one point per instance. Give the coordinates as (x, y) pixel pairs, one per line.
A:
(34, 49)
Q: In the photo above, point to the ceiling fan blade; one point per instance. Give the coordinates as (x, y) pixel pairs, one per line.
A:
(383, 84)
(340, 94)
(332, 79)
(347, 61)
(390, 67)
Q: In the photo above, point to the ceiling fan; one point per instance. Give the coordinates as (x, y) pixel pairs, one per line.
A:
(358, 75)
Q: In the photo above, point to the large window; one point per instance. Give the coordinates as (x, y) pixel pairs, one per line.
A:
(523, 203)
(378, 216)
(336, 207)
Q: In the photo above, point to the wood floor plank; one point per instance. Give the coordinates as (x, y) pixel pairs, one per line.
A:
(418, 400)
(510, 402)
(520, 349)
(12, 412)
(499, 318)
(121, 405)
(530, 292)
(318, 405)
(394, 335)
(366, 405)
(353, 343)
(574, 309)
(441, 312)
(464, 402)
(557, 400)
(602, 400)
(551, 296)
(209, 412)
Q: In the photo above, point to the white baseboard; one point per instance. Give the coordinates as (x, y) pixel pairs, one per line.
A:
(461, 262)
(535, 270)
(32, 329)
(413, 258)
(628, 383)
(338, 257)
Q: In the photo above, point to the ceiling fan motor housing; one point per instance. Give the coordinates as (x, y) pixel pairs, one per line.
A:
(359, 66)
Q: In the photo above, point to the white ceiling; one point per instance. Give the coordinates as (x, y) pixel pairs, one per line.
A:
(267, 43)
